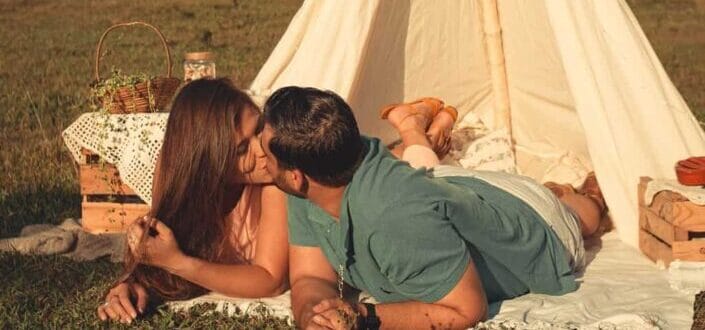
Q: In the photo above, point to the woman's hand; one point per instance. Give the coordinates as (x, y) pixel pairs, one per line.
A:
(160, 250)
(119, 306)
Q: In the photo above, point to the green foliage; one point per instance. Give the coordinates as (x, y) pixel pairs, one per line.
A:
(119, 79)
(676, 30)
(103, 90)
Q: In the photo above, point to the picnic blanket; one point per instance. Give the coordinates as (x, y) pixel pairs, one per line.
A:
(619, 289)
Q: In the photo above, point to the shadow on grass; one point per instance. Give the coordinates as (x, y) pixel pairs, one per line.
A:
(52, 205)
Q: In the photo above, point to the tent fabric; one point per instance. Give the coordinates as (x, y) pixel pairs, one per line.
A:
(584, 84)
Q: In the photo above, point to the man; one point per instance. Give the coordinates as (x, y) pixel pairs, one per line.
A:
(432, 250)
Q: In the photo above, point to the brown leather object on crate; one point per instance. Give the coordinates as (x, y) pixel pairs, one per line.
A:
(691, 171)
(131, 99)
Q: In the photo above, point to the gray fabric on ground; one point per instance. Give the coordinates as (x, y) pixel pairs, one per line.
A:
(67, 239)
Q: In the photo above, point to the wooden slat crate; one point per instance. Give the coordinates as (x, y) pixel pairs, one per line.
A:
(108, 204)
(671, 227)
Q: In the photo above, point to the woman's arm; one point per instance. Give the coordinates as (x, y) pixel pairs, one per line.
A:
(265, 277)
(267, 274)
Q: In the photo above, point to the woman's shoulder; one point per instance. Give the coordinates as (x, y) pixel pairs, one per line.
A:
(269, 195)
(270, 191)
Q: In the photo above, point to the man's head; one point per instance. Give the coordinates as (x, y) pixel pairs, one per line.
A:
(310, 134)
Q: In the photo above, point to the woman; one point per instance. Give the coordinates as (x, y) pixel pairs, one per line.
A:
(222, 225)
(209, 190)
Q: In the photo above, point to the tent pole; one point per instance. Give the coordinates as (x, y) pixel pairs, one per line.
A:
(498, 71)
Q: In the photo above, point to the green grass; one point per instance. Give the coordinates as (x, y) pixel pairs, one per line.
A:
(676, 30)
(46, 66)
(76, 290)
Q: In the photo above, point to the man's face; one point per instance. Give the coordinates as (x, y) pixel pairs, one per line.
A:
(280, 176)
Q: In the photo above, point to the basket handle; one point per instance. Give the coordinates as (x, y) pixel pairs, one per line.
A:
(159, 33)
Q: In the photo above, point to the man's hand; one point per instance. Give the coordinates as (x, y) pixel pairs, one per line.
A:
(118, 304)
(161, 250)
(334, 314)
(313, 281)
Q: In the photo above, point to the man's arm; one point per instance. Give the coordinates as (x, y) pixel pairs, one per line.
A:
(463, 307)
(312, 281)
(425, 259)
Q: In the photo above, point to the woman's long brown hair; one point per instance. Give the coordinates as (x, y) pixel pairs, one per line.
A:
(194, 189)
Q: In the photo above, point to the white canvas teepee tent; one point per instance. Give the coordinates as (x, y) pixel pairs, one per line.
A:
(580, 79)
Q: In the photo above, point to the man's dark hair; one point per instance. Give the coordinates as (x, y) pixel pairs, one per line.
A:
(314, 131)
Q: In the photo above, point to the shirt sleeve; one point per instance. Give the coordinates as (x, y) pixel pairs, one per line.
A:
(300, 230)
(419, 251)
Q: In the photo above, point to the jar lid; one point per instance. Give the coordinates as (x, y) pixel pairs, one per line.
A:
(199, 56)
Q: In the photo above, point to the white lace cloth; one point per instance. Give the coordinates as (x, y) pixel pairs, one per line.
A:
(695, 194)
(279, 306)
(474, 146)
(131, 142)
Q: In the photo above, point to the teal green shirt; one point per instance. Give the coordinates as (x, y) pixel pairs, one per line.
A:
(404, 235)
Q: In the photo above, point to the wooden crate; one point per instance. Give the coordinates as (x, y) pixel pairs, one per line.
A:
(671, 227)
(108, 204)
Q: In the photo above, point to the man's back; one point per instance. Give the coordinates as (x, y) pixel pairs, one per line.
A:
(405, 235)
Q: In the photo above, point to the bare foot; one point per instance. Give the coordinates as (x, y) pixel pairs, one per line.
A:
(439, 133)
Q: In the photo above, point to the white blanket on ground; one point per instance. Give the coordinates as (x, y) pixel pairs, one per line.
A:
(620, 289)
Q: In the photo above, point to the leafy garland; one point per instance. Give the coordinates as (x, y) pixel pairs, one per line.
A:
(101, 95)
(103, 91)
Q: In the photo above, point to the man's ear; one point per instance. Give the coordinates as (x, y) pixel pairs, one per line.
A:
(298, 180)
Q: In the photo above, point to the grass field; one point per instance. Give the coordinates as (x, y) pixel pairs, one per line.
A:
(46, 66)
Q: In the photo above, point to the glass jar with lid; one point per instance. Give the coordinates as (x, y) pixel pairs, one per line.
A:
(198, 65)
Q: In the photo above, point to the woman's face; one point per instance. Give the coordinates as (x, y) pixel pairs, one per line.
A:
(251, 160)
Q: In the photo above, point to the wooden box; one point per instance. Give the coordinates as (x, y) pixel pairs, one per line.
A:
(108, 204)
(671, 227)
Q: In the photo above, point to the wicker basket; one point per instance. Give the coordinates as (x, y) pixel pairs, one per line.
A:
(148, 96)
